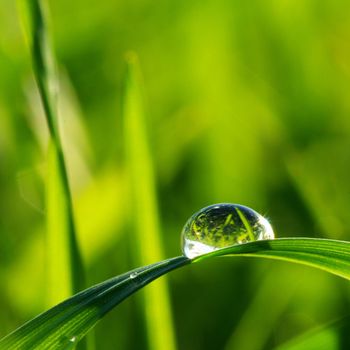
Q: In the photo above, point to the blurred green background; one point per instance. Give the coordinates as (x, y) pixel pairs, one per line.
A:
(246, 102)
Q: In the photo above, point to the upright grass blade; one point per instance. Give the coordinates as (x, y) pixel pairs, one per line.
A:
(69, 321)
(326, 339)
(65, 267)
(250, 320)
(331, 336)
(63, 264)
(146, 239)
(65, 324)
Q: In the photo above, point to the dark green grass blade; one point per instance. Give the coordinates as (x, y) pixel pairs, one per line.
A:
(34, 21)
(74, 317)
(326, 254)
(65, 265)
(70, 320)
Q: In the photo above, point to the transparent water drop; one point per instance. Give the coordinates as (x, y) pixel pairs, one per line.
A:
(68, 343)
(133, 275)
(223, 225)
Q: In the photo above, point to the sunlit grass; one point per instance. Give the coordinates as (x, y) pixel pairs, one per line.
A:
(145, 239)
(68, 322)
(246, 103)
(65, 271)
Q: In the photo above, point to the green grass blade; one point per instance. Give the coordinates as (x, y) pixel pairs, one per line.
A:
(147, 246)
(321, 339)
(66, 323)
(249, 320)
(34, 21)
(64, 261)
(63, 264)
(329, 255)
(72, 319)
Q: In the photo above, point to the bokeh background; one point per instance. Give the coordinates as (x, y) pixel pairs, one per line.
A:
(246, 102)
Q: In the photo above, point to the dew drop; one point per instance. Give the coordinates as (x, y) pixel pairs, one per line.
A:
(133, 275)
(68, 343)
(223, 225)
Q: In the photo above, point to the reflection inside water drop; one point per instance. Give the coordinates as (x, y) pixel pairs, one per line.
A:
(223, 225)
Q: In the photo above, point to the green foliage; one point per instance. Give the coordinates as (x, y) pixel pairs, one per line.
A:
(65, 271)
(246, 103)
(145, 236)
(321, 339)
(70, 320)
(329, 255)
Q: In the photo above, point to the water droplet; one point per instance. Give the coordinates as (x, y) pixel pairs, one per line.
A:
(222, 225)
(68, 343)
(133, 275)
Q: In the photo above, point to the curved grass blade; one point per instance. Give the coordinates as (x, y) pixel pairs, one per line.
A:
(65, 324)
(329, 255)
(69, 321)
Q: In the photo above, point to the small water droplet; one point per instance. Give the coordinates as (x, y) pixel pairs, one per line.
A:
(133, 275)
(222, 225)
(68, 343)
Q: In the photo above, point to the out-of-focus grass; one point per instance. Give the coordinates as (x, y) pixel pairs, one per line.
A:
(247, 103)
(63, 260)
(145, 241)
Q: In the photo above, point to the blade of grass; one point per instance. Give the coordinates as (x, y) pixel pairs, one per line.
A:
(146, 240)
(330, 336)
(74, 317)
(69, 321)
(320, 339)
(326, 254)
(249, 321)
(64, 277)
(64, 261)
